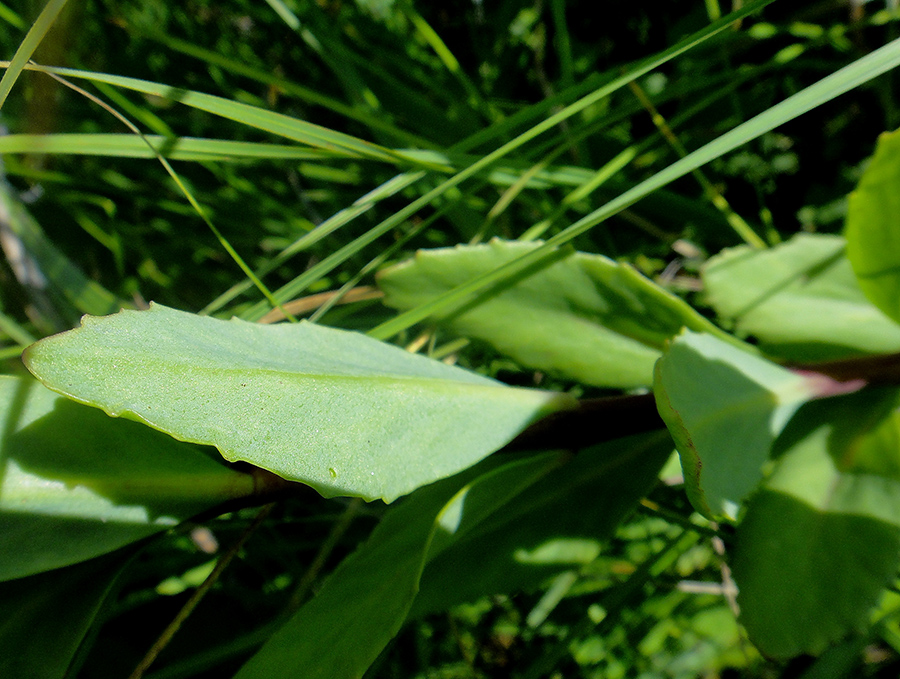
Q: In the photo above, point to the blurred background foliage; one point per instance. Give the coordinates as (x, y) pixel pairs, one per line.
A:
(435, 76)
(368, 69)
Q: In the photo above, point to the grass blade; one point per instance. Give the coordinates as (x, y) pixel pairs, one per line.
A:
(291, 88)
(32, 39)
(174, 148)
(252, 116)
(861, 71)
(314, 273)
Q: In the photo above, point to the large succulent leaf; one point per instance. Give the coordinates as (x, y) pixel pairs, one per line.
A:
(821, 540)
(800, 299)
(725, 407)
(298, 400)
(75, 483)
(873, 231)
(365, 601)
(584, 317)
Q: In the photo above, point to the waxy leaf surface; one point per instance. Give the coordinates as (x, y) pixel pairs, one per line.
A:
(362, 605)
(342, 412)
(584, 317)
(821, 540)
(800, 299)
(75, 483)
(724, 407)
(873, 227)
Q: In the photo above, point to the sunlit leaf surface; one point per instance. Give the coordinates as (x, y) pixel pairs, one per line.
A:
(585, 317)
(724, 407)
(800, 299)
(342, 412)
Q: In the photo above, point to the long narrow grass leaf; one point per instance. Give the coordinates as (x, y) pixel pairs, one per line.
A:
(252, 116)
(10, 17)
(314, 273)
(446, 56)
(15, 331)
(174, 148)
(32, 39)
(226, 245)
(290, 88)
(86, 295)
(360, 206)
(861, 71)
(283, 11)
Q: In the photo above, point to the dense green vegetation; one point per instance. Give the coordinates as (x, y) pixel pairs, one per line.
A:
(608, 232)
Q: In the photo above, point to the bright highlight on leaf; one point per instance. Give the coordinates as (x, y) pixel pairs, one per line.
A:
(298, 400)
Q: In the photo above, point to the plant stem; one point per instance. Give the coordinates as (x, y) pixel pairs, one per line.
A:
(198, 595)
(298, 598)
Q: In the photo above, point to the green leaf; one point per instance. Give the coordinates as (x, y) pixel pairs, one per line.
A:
(821, 541)
(344, 413)
(808, 578)
(364, 602)
(35, 34)
(873, 234)
(245, 114)
(584, 317)
(558, 525)
(176, 148)
(75, 483)
(800, 299)
(45, 617)
(724, 407)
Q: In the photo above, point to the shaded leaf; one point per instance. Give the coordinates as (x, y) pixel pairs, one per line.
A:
(800, 299)
(808, 578)
(45, 617)
(363, 604)
(295, 399)
(873, 234)
(558, 525)
(725, 407)
(75, 483)
(585, 317)
(818, 544)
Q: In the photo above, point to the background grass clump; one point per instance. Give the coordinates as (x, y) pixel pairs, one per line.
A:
(383, 102)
